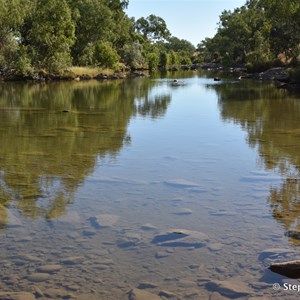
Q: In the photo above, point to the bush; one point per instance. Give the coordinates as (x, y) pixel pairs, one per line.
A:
(153, 60)
(163, 60)
(132, 55)
(105, 55)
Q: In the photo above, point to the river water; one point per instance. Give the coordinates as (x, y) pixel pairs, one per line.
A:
(139, 187)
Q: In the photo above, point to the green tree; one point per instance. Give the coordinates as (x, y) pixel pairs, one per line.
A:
(163, 60)
(132, 55)
(52, 34)
(153, 60)
(105, 56)
(152, 28)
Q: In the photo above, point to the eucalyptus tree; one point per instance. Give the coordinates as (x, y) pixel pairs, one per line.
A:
(52, 34)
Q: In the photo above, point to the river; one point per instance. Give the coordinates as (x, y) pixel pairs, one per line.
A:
(142, 188)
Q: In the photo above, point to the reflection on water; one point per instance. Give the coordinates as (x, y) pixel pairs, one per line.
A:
(46, 152)
(137, 189)
(271, 119)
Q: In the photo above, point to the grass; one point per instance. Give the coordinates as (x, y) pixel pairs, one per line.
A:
(90, 71)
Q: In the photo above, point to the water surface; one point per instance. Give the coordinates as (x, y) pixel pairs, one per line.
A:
(186, 191)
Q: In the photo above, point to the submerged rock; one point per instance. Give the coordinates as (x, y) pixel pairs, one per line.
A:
(183, 211)
(137, 294)
(38, 277)
(16, 296)
(180, 238)
(49, 268)
(181, 183)
(102, 221)
(289, 269)
(229, 288)
(274, 252)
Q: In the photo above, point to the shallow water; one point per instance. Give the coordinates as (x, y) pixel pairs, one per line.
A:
(184, 192)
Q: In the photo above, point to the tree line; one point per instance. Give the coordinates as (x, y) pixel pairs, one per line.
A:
(52, 35)
(260, 34)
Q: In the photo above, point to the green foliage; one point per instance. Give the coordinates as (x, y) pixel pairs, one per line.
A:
(173, 58)
(152, 28)
(22, 62)
(177, 45)
(105, 56)
(52, 34)
(256, 34)
(132, 55)
(164, 60)
(153, 60)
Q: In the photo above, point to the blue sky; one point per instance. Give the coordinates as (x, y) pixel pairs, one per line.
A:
(192, 20)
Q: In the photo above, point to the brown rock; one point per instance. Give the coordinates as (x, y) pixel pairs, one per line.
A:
(229, 288)
(289, 269)
(16, 296)
(136, 294)
(49, 268)
(38, 277)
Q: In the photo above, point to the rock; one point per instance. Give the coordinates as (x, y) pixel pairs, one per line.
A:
(74, 260)
(278, 73)
(148, 226)
(49, 268)
(38, 277)
(183, 211)
(289, 269)
(215, 246)
(229, 288)
(181, 183)
(180, 238)
(147, 285)
(129, 239)
(58, 293)
(274, 252)
(26, 257)
(16, 296)
(293, 234)
(136, 294)
(217, 296)
(168, 295)
(102, 221)
(161, 254)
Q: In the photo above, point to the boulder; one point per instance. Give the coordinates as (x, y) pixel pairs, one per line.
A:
(289, 269)
(180, 238)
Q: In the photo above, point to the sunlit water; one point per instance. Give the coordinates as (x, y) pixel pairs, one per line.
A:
(185, 191)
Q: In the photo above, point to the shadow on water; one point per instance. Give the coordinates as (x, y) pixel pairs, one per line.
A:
(271, 119)
(52, 136)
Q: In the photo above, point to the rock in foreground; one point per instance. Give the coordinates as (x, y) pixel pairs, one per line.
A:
(137, 294)
(289, 269)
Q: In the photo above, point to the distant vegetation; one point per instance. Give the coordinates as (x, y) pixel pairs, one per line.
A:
(258, 35)
(53, 35)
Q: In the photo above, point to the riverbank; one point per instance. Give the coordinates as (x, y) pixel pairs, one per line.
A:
(286, 78)
(73, 73)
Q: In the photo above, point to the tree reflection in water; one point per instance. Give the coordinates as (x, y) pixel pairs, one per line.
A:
(271, 119)
(46, 153)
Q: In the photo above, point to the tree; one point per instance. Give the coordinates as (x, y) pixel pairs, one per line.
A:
(52, 34)
(177, 45)
(105, 56)
(153, 28)
(163, 60)
(132, 55)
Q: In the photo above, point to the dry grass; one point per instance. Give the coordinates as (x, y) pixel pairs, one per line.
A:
(80, 71)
